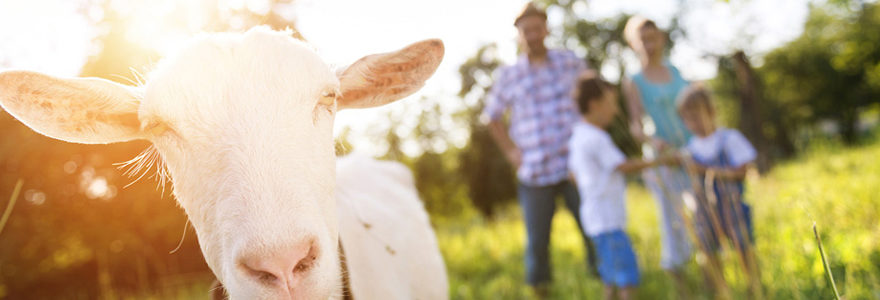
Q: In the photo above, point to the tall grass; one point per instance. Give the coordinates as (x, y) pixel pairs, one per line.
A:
(825, 262)
(11, 204)
(833, 186)
(836, 187)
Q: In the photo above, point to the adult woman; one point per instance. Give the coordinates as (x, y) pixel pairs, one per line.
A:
(650, 96)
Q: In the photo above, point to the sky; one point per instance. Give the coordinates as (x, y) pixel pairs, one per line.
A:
(53, 36)
(46, 36)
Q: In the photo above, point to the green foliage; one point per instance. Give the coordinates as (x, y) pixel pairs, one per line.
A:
(342, 145)
(435, 169)
(69, 236)
(438, 184)
(448, 177)
(835, 188)
(778, 126)
(489, 178)
(830, 72)
(830, 185)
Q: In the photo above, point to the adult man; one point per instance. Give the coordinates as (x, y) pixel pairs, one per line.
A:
(537, 92)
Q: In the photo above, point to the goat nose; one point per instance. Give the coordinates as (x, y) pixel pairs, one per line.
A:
(283, 268)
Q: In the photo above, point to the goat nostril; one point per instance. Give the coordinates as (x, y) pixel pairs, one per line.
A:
(265, 277)
(260, 276)
(301, 267)
(307, 262)
(304, 265)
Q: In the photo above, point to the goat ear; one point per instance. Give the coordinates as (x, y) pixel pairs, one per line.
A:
(379, 79)
(82, 110)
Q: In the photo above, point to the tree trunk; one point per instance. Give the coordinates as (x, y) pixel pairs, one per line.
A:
(750, 121)
(782, 139)
(848, 121)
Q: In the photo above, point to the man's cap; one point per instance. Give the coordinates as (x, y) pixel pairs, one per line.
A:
(530, 9)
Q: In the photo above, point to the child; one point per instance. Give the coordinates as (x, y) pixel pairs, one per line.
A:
(723, 156)
(597, 165)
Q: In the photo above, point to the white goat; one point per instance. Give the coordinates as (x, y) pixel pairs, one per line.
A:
(243, 123)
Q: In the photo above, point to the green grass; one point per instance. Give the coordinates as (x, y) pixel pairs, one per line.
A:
(838, 188)
(183, 286)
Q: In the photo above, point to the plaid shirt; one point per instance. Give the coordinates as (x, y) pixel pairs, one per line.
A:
(542, 113)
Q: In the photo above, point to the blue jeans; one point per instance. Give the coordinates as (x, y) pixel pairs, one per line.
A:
(539, 204)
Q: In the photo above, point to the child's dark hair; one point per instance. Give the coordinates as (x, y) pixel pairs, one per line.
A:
(590, 87)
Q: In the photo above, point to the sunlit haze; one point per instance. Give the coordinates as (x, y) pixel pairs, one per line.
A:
(222, 181)
(58, 37)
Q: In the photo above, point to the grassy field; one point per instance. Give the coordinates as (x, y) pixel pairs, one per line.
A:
(837, 188)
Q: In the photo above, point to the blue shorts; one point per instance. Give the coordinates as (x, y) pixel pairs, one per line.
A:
(617, 261)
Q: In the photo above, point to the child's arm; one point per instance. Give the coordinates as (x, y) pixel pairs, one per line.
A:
(635, 165)
(738, 173)
(730, 173)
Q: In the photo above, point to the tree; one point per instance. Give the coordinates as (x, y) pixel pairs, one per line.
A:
(829, 72)
(489, 177)
(741, 100)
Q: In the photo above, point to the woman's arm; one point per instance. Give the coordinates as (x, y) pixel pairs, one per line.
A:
(636, 113)
(635, 110)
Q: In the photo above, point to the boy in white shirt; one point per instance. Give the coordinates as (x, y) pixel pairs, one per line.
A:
(598, 167)
(723, 156)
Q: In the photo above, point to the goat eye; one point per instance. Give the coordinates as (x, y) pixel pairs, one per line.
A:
(328, 98)
(154, 127)
(326, 104)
